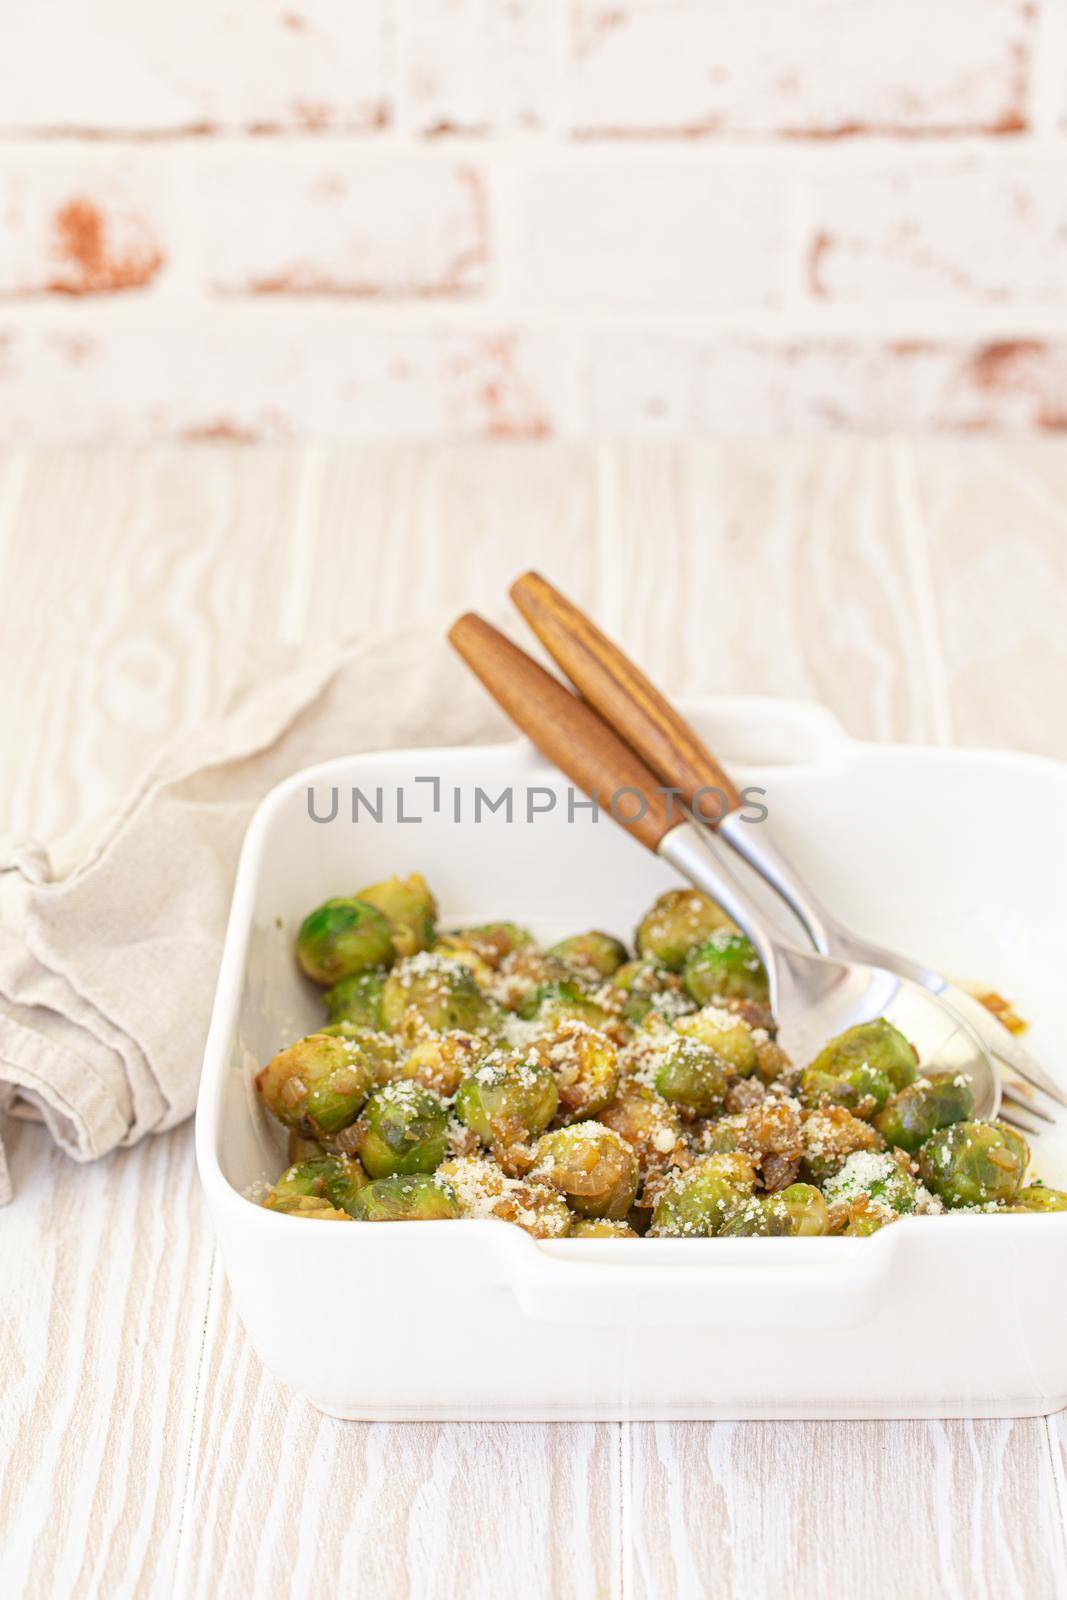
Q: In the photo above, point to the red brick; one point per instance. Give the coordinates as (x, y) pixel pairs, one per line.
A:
(478, 66)
(826, 67)
(299, 221)
(81, 226)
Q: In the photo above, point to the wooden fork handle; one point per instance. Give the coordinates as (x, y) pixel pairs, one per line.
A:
(625, 699)
(566, 730)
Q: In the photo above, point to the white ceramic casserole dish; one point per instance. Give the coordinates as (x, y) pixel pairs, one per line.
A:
(933, 1317)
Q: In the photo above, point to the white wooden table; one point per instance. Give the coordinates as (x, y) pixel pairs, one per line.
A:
(920, 591)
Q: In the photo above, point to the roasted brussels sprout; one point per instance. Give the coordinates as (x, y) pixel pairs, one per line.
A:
(1036, 1197)
(725, 967)
(357, 999)
(585, 1066)
(726, 1033)
(600, 1228)
(679, 920)
(876, 1046)
(306, 1205)
(650, 990)
(556, 1003)
(798, 1210)
(691, 1076)
(299, 1148)
(334, 1178)
(483, 1190)
(381, 1051)
(341, 937)
(922, 1108)
(591, 1166)
(649, 1124)
(862, 1089)
(505, 1100)
(696, 1203)
(594, 955)
(830, 1136)
(409, 1197)
(441, 1061)
(430, 991)
(318, 1085)
(884, 1181)
(409, 908)
(974, 1163)
(492, 942)
(403, 1129)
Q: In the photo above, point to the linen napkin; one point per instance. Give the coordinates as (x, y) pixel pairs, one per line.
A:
(108, 968)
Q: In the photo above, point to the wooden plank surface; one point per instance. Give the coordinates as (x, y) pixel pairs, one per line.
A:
(916, 590)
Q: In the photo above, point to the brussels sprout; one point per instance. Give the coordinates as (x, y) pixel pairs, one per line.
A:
(525, 970)
(441, 1061)
(725, 967)
(433, 992)
(600, 1228)
(830, 1135)
(357, 999)
(594, 955)
(692, 1076)
(492, 942)
(483, 1190)
(863, 1089)
(1036, 1197)
(560, 1002)
(341, 937)
(409, 908)
(307, 1205)
(650, 990)
(403, 1129)
(453, 948)
(861, 1217)
(334, 1178)
(318, 1085)
(974, 1163)
(298, 1148)
(585, 1066)
(882, 1179)
(772, 1063)
(677, 922)
(798, 1210)
(649, 1124)
(922, 1108)
(381, 1051)
(695, 1204)
(875, 1045)
(728, 1035)
(505, 1100)
(591, 1166)
(408, 1197)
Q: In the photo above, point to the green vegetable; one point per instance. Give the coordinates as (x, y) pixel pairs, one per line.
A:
(403, 1129)
(436, 992)
(883, 1180)
(726, 1034)
(862, 1089)
(590, 1166)
(679, 920)
(318, 1085)
(974, 1163)
(594, 955)
(600, 1228)
(1036, 1197)
(725, 967)
(696, 1203)
(693, 1077)
(876, 1046)
(560, 1002)
(409, 908)
(922, 1108)
(411, 1197)
(798, 1210)
(357, 999)
(335, 1178)
(341, 937)
(505, 1100)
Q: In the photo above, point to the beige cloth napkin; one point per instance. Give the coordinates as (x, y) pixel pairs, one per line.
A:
(107, 972)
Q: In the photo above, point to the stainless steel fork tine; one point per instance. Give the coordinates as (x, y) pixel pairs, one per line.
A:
(1003, 1044)
(1022, 1100)
(1022, 1120)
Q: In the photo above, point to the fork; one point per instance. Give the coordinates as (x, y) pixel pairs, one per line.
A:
(629, 703)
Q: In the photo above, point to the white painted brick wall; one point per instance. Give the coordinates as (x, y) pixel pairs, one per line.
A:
(517, 218)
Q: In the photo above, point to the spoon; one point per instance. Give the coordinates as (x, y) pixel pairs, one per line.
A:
(813, 997)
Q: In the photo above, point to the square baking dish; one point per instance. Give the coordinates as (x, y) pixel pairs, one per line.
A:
(954, 856)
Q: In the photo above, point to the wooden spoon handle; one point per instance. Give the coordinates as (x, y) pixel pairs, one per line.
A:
(566, 730)
(625, 699)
